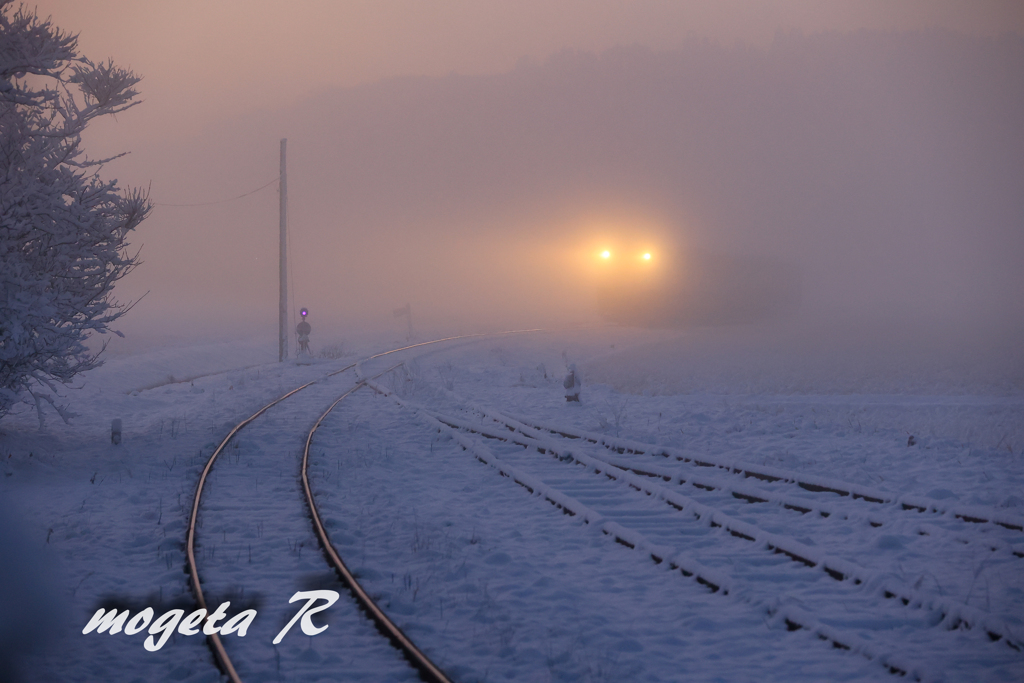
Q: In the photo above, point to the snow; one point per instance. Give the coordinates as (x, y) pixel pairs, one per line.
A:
(577, 564)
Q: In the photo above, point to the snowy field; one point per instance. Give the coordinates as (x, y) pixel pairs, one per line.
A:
(680, 524)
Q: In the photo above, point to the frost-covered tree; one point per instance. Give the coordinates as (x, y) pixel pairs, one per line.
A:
(63, 229)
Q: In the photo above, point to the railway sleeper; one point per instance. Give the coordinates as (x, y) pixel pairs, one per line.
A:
(569, 436)
(762, 477)
(972, 519)
(704, 582)
(791, 555)
(814, 488)
(957, 622)
(711, 585)
(870, 499)
(837, 575)
(967, 518)
(754, 499)
(565, 510)
(891, 595)
(976, 520)
(995, 637)
(839, 645)
(622, 541)
(645, 473)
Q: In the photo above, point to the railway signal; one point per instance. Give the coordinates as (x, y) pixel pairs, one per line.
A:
(303, 329)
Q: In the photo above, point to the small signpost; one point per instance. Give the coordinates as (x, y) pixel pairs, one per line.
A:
(406, 310)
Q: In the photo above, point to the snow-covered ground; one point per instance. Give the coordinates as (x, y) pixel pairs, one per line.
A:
(488, 577)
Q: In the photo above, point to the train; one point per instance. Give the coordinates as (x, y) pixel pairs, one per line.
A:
(643, 286)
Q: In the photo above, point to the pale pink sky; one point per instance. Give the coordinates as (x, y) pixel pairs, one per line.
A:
(224, 80)
(207, 59)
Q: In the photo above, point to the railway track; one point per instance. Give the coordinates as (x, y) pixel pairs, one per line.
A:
(857, 508)
(804, 481)
(737, 529)
(623, 488)
(242, 510)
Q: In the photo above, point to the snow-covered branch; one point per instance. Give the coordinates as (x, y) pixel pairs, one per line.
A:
(63, 229)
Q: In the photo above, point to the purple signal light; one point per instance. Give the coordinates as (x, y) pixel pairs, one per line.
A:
(304, 312)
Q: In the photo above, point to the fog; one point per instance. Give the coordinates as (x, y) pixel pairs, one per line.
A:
(883, 166)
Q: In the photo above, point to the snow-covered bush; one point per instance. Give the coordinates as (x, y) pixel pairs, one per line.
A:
(63, 229)
(333, 351)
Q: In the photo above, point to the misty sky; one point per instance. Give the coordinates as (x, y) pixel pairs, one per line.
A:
(468, 156)
(207, 59)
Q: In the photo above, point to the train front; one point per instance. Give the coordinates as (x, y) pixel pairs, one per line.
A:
(661, 285)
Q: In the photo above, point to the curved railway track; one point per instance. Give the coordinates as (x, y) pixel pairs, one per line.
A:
(614, 510)
(427, 669)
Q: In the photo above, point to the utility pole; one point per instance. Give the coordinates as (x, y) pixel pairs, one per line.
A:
(283, 308)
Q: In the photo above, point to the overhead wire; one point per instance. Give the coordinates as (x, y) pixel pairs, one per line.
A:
(288, 256)
(222, 201)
